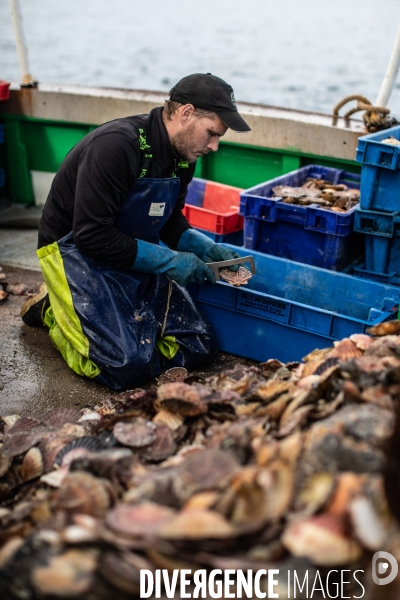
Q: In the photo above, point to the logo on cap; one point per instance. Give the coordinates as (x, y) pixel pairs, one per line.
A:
(233, 99)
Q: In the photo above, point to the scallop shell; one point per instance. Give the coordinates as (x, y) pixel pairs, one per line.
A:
(136, 434)
(291, 447)
(204, 470)
(295, 421)
(90, 415)
(123, 571)
(371, 364)
(197, 525)
(72, 430)
(330, 362)
(345, 349)
(174, 374)
(82, 493)
(32, 465)
(9, 420)
(102, 462)
(272, 389)
(314, 493)
(55, 478)
(76, 534)
(143, 520)
(163, 446)
(245, 498)
(348, 487)
(378, 396)
(57, 417)
(385, 328)
(182, 399)
(5, 462)
(71, 572)
(275, 408)
(50, 447)
(323, 540)
(270, 366)
(21, 436)
(237, 279)
(317, 354)
(129, 395)
(202, 501)
(168, 418)
(5, 491)
(278, 481)
(351, 391)
(308, 368)
(368, 527)
(22, 425)
(9, 549)
(388, 345)
(19, 289)
(85, 444)
(361, 340)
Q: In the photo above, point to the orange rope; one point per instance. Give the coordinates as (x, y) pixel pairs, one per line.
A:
(375, 117)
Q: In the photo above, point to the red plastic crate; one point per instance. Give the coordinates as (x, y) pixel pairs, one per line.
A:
(213, 206)
(4, 90)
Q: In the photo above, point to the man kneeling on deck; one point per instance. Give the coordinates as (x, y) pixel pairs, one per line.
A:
(116, 304)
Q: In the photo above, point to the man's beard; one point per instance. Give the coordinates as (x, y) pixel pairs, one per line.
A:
(183, 144)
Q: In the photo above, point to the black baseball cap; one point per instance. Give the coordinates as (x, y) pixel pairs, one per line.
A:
(209, 92)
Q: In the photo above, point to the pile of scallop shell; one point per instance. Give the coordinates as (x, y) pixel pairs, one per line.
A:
(274, 464)
(337, 198)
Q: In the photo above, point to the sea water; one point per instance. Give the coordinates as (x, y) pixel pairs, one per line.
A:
(303, 54)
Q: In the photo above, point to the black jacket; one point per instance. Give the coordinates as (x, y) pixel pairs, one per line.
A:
(93, 180)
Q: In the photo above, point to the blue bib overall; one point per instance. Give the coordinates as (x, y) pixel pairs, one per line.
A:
(106, 322)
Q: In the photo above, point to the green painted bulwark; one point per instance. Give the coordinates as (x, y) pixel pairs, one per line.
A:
(245, 166)
(41, 145)
(17, 169)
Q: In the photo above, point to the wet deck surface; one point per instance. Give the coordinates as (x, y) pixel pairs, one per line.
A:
(33, 376)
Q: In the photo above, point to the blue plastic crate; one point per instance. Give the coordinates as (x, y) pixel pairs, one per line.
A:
(195, 193)
(381, 232)
(380, 171)
(390, 278)
(307, 234)
(1, 134)
(288, 309)
(357, 269)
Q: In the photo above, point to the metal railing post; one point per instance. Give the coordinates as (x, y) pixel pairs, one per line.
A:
(22, 51)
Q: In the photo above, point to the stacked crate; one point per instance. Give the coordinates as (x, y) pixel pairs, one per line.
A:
(306, 234)
(296, 300)
(378, 217)
(213, 209)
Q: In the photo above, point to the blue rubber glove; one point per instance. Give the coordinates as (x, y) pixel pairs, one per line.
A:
(182, 267)
(202, 246)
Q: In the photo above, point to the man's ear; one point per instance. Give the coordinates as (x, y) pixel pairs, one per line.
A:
(186, 113)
